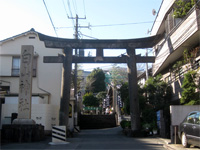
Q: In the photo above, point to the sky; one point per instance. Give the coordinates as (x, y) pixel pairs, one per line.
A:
(99, 19)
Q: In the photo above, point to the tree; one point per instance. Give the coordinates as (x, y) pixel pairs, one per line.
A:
(95, 81)
(190, 85)
(90, 100)
(118, 75)
(101, 96)
(125, 97)
(189, 95)
(159, 92)
(79, 77)
(159, 96)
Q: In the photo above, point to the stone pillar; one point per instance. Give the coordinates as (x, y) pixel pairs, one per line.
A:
(65, 88)
(133, 90)
(25, 82)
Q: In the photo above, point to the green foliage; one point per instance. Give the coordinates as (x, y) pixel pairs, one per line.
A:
(90, 100)
(159, 92)
(189, 95)
(125, 97)
(79, 77)
(124, 91)
(190, 55)
(159, 96)
(177, 66)
(95, 81)
(149, 118)
(101, 96)
(125, 124)
(118, 75)
(182, 7)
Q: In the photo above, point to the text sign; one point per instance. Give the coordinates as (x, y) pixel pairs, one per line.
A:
(25, 82)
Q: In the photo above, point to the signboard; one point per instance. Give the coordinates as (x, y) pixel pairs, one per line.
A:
(92, 108)
(119, 101)
(158, 115)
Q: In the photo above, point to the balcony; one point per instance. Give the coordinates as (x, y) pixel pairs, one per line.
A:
(176, 79)
(185, 34)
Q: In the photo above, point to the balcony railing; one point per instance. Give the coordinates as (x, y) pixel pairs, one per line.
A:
(173, 78)
(185, 29)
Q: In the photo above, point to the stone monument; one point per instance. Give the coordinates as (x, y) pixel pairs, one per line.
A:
(25, 86)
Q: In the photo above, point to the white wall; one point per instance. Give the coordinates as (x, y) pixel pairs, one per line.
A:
(48, 76)
(44, 114)
(166, 5)
(46, 83)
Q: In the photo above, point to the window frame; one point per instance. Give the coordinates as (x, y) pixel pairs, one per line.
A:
(17, 69)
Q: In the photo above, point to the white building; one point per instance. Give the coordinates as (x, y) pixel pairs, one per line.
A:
(46, 82)
(179, 34)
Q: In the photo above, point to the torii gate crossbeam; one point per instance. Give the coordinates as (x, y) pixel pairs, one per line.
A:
(131, 59)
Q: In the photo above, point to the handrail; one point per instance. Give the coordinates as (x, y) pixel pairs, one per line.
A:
(180, 75)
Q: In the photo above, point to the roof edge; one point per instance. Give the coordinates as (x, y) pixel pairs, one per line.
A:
(32, 30)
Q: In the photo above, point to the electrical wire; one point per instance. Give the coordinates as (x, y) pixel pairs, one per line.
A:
(68, 3)
(88, 36)
(65, 8)
(122, 24)
(75, 6)
(50, 18)
(107, 25)
(84, 7)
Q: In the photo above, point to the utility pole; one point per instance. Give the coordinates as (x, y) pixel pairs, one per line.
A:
(75, 68)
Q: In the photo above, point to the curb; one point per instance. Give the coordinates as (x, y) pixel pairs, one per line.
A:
(166, 144)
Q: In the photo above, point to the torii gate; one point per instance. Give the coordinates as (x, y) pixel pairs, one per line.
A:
(67, 59)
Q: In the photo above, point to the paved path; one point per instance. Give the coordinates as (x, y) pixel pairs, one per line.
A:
(95, 139)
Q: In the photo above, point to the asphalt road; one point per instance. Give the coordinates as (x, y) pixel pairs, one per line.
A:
(100, 139)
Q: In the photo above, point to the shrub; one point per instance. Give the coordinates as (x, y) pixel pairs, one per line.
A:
(125, 124)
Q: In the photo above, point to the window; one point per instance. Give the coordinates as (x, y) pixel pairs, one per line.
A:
(16, 66)
(197, 117)
(190, 118)
(5, 89)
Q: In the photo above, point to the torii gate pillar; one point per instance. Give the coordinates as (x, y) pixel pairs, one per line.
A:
(65, 87)
(133, 90)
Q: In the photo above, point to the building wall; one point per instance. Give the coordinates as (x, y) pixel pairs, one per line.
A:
(182, 35)
(165, 6)
(48, 76)
(46, 85)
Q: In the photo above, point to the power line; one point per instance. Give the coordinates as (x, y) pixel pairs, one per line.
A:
(88, 36)
(75, 6)
(107, 25)
(65, 8)
(50, 18)
(84, 7)
(122, 24)
(68, 3)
